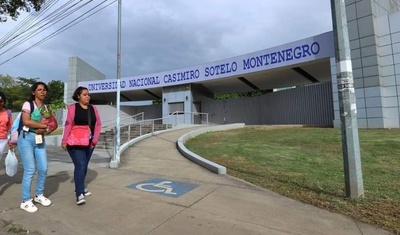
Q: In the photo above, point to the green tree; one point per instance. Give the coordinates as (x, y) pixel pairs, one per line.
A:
(239, 95)
(27, 81)
(55, 96)
(25, 85)
(6, 81)
(13, 7)
(18, 90)
(56, 90)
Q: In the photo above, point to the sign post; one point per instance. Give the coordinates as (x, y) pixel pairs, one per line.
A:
(114, 162)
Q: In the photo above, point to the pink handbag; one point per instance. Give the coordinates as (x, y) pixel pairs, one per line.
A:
(51, 122)
(79, 136)
(48, 117)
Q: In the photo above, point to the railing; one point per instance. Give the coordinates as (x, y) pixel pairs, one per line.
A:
(110, 124)
(137, 128)
(151, 125)
(143, 127)
(180, 117)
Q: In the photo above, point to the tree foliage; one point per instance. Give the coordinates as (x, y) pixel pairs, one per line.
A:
(55, 96)
(239, 95)
(18, 90)
(13, 7)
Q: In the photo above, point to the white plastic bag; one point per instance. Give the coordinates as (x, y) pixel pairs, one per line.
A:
(11, 162)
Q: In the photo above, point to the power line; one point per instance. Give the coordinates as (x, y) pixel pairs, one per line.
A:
(25, 23)
(49, 23)
(58, 18)
(27, 28)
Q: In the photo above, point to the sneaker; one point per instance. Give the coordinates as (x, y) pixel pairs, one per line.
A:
(87, 192)
(80, 199)
(42, 200)
(28, 206)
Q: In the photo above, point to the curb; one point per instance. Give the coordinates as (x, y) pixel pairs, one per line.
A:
(212, 166)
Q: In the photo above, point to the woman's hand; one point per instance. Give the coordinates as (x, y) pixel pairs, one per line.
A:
(44, 131)
(10, 145)
(48, 131)
(64, 146)
(41, 131)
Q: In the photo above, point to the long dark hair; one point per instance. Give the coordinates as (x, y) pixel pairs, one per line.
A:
(34, 87)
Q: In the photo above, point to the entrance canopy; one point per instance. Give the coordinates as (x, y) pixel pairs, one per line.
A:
(298, 63)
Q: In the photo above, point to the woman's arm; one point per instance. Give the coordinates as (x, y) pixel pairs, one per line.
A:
(10, 121)
(97, 127)
(26, 118)
(69, 122)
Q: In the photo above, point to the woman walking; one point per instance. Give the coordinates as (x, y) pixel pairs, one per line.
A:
(32, 147)
(81, 114)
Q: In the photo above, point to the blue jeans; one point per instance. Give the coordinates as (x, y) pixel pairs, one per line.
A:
(32, 155)
(80, 157)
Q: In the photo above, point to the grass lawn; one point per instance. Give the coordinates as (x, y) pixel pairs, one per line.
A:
(306, 164)
(57, 131)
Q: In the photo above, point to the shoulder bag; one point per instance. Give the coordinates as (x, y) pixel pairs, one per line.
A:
(80, 135)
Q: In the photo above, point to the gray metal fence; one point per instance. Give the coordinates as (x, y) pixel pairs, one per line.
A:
(308, 105)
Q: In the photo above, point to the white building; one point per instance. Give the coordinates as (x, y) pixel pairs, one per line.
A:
(307, 64)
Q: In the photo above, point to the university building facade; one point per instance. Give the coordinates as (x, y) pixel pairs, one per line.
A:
(297, 79)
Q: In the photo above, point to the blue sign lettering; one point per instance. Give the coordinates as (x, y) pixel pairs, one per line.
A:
(309, 49)
(102, 86)
(220, 69)
(281, 56)
(139, 82)
(182, 76)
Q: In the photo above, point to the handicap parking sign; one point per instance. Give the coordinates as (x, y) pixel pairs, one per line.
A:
(164, 187)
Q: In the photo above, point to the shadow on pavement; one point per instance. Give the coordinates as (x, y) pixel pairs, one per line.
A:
(53, 182)
(7, 181)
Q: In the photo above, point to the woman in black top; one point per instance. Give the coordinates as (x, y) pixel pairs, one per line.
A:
(80, 114)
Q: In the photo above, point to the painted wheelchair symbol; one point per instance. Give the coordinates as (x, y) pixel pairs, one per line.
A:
(161, 187)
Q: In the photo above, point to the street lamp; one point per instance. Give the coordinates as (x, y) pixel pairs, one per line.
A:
(114, 162)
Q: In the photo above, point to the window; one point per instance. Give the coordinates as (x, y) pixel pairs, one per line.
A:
(176, 108)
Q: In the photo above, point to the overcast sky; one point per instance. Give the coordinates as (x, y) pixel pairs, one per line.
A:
(160, 35)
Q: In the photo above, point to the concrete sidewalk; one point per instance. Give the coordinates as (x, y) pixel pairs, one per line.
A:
(158, 191)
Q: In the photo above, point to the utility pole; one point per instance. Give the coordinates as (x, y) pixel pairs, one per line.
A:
(114, 162)
(347, 103)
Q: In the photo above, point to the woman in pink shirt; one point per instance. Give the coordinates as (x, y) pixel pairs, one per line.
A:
(81, 114)
(5, 123)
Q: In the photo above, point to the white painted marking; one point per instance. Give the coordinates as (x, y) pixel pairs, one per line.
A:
(164, 188)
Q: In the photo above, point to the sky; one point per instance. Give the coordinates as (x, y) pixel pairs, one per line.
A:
(157, 35)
